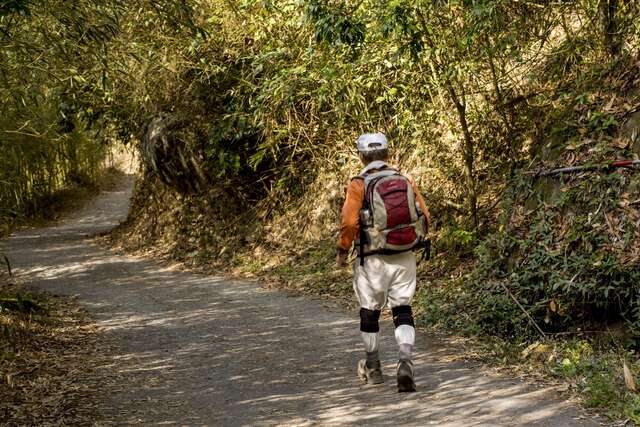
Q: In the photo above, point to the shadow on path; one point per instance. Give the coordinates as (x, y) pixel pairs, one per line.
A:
(199, 350)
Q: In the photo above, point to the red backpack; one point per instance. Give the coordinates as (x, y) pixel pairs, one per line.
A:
(390, 219)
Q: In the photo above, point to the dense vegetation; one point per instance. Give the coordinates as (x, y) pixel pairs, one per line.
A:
(245, 113)
(263, 102)
(65, 67)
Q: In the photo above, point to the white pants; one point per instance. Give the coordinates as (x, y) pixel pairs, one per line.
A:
(389, 279)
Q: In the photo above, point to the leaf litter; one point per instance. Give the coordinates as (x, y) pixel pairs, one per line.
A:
(49, 361)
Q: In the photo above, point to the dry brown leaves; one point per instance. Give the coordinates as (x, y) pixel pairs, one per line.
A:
(47, 374)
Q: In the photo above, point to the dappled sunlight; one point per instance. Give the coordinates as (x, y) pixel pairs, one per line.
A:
(194, 349)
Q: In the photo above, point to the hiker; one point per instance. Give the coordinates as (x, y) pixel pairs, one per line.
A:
(386, 217)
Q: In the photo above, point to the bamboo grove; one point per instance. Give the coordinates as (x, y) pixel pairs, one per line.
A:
(262, 96)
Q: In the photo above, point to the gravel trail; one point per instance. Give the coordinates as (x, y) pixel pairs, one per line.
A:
(192, 349)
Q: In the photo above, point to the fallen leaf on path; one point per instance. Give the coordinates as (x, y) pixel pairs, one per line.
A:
(527, 351)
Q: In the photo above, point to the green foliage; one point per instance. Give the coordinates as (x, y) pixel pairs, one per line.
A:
(277, 90)
(564, 252)
(65, 68)
(598, 374)
(270, 93)
(565, 246)
(456, 242)
(335, 25)
(46, 54)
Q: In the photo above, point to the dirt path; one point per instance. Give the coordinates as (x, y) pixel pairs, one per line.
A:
(199, 350)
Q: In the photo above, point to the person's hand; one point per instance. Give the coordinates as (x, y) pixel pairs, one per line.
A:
(341, 259)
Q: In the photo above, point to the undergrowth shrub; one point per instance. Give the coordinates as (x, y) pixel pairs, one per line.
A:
(571, 260)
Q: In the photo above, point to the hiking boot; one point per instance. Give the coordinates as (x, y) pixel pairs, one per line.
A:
(370, 375)
(405, 377)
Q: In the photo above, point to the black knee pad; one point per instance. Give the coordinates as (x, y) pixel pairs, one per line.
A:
(402, 315)
(369, 320)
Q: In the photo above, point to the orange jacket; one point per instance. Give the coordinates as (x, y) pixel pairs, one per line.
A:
(350, 223)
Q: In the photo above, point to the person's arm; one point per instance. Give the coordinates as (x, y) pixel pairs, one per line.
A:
(421, 202)
(350, 219)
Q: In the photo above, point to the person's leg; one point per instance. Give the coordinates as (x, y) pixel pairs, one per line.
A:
(370, 331)
(370, 288)
(405, 330)
(401, 291)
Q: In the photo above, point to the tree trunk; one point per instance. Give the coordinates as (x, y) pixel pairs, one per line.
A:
(610, 28)
(468, 152)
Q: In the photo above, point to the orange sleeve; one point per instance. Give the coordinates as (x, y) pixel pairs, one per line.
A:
(350, 222)
(420, 201)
